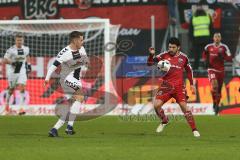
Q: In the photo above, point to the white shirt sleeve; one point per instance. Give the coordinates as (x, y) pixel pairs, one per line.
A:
(63, 56)
(8, 54)
(227, 50)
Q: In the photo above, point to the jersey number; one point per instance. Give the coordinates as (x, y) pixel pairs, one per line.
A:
(212, 76)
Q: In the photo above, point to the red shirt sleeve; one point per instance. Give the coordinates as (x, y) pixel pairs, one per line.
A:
(189, 71)
(204, 55)
(205, 52)
(152, 59)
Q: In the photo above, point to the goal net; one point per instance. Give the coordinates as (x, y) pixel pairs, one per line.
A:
(46, 38)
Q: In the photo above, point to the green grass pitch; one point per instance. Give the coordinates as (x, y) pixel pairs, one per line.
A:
(111, 138)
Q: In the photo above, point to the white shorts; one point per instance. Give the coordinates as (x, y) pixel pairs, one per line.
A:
(15, 79)
(70, 85)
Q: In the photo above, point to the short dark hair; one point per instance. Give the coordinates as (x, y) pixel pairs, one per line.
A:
(174, 40)
(19, 35)
(75, 34)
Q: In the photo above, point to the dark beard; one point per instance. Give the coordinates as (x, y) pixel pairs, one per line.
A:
(171, 53)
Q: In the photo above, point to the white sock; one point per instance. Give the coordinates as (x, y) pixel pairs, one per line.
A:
(59, 124)
(74, 110)
(71, 118)
(22, 95)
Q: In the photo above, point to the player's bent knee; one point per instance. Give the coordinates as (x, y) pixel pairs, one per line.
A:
(183, 106)
(157, 103)
(214, 85)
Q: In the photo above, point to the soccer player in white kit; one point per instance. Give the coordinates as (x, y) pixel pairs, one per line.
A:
(73, 61)
(18, 61)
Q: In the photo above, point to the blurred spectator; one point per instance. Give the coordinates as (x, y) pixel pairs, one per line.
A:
(172, 8)
(172, 11)
(200, 33)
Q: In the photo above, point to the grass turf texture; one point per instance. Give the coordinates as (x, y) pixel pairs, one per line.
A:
(25, 138)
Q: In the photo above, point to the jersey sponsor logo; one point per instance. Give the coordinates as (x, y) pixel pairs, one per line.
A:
(73, 85)
(175, 66)
(220, 50)
(77, 64)
(19, 58)
(180, 60)
(76, 55)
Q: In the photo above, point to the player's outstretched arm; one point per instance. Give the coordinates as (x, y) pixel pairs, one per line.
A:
(61, 57)
(227, 55)
(205, 57)
(151, 58)
(52, 69)
(189, 71)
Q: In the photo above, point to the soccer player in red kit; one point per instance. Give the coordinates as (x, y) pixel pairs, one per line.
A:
(214, 54)
(172, 84)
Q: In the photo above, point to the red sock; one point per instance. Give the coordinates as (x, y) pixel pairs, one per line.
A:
(216, 97)
(189, 117)
(161, 115)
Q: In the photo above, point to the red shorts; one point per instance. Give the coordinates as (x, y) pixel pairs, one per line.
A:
(215, 75)
(166, 92)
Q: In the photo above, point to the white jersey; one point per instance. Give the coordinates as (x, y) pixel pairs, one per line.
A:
(71, 61)
(15, 54)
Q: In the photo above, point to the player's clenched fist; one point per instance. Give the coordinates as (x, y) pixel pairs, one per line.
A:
(46, 82)
(152, 50)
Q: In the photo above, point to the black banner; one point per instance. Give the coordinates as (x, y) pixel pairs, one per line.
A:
(109, 3)
(40, 9)
(7, 3)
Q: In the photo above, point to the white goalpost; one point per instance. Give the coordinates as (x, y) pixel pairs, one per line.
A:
(46, 38)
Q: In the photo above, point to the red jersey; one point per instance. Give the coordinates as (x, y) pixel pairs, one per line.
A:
(215, 56)
(179, 63)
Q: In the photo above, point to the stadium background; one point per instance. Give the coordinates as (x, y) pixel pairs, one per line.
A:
(133, 77)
